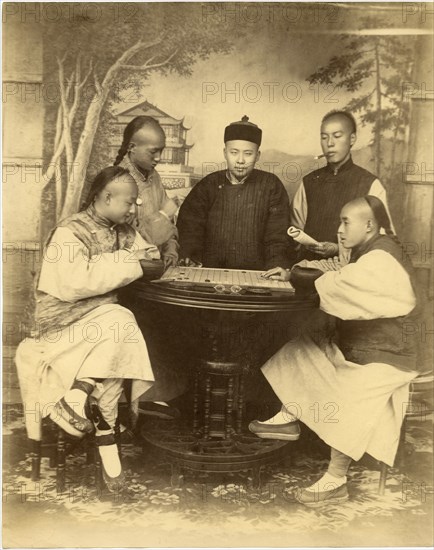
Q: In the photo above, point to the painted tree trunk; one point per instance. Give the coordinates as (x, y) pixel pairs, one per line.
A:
(378, 121)
(77, 172)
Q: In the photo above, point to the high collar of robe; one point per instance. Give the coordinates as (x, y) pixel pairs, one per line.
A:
(358, 251)
(233, 180)
(100, 220)
(137, 174)
(347, 165)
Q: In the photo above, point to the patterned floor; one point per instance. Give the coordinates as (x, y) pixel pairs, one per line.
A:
(215, 511)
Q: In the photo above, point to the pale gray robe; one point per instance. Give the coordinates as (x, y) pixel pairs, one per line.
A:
(353, 408)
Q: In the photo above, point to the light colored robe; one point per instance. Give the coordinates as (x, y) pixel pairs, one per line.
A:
(105, 343)
(154, 217)
(355, 409)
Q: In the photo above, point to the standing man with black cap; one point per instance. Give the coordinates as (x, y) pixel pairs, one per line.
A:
(236, 218)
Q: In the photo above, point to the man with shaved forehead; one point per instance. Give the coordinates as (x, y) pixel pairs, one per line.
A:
(141, 151)
(318, 200)
(353, 396)
(83, 344)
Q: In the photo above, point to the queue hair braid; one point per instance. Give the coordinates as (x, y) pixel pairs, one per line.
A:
(380, 214)
(131, 128)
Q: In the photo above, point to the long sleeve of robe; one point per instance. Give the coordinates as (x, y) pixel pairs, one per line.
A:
(355, 408)
(236, 226)
(376, 286)
(68, 273)
(299, 206)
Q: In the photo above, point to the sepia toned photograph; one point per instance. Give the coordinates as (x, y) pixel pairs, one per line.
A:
(217, 274)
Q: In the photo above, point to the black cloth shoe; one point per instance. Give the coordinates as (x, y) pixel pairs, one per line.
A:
(315, 499)
(149, 408)
(287, 432)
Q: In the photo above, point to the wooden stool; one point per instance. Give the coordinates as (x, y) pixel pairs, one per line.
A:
(57, 452)
(418, 387)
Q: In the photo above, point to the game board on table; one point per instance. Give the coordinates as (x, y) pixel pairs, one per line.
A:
(244, 278)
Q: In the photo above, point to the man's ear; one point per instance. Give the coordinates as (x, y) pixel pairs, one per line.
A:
(107, 197)
(131, 146)
(353, 139)
(258, 155)
(369, 225)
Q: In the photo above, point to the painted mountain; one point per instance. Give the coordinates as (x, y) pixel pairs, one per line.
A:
(291, 168)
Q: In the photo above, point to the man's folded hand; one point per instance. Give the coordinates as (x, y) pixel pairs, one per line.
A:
(188, 262)
(325, 249)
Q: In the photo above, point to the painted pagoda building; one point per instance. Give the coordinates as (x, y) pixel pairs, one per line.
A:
(176, 175)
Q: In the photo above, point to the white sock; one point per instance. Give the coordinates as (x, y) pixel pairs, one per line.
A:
(327, 483)
(282, 417)
(161, 403)
(110, 456)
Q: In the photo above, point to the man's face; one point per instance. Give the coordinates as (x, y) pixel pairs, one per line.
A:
(337, 139)
(120, 199)
(241, 157)
(355, 227)
(146, 147)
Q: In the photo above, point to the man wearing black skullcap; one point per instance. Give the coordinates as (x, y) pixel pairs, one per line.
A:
(236, 218)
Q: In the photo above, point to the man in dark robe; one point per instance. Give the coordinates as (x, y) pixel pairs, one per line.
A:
(236, 218)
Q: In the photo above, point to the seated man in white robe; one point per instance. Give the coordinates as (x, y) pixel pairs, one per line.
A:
(353, 396)
(83, 343)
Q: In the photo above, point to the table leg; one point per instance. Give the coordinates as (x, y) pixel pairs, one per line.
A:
(207, 406)
(256, 477)
(176, 479)
(217, 440)
(229, 408)
(61, 460)
(240, 404)
(196, 402)
(35, 455)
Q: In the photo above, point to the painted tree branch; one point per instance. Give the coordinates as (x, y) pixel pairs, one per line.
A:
(147, 66)
(77, 176)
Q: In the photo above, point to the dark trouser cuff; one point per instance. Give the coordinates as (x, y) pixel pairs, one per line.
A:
(85, 387)
(98, 419)
(105, 440)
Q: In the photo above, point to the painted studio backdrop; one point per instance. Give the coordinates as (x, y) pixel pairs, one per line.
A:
(75, 74)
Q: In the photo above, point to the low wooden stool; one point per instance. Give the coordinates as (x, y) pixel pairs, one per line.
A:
(417, 408)
(57, 452)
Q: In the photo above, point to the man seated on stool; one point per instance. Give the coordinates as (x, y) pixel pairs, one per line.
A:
(83, 342)
(360, 388)
(236, 218)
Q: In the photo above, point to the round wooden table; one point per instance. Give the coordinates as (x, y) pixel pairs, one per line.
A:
(224, 330)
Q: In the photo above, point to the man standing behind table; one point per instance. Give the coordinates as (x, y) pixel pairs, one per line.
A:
(142, 146)
(236, 218)
(318, 201)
